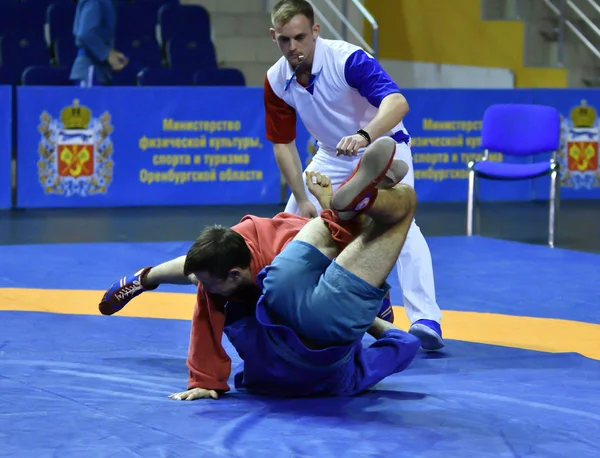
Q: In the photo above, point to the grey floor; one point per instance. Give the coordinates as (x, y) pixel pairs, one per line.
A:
(578, 224)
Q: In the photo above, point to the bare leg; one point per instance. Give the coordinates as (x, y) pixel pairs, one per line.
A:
(379, 327)
(372, 255)
(317, 234)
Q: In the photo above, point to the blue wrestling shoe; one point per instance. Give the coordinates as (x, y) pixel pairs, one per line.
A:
(121, 292)
(386, 312)
(429, 333)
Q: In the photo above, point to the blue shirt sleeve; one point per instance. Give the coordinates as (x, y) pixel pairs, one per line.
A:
(390, 354)
(364, 74)
(88, 32)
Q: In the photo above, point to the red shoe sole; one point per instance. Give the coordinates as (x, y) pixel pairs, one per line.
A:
(354, 193)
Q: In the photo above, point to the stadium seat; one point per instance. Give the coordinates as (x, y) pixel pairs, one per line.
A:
(46, 76)
(219, 77)
(10, 17)
(65, 51)
(20, 53)
(60, 17)
(126, 77)
(19, 20)
(191, 56)
(163, 77)
(141, 52)
(136, 21)
(189, 22)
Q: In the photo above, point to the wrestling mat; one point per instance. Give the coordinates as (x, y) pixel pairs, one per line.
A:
(520, 375)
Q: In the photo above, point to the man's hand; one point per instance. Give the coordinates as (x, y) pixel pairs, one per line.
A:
(319, 186)
(307, 209)
(194, 393)
(349, 146)
(117, 60)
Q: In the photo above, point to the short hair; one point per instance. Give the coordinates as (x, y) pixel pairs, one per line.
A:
(285, 10)
(217, 250)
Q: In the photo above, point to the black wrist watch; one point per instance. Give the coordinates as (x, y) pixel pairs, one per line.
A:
(365, 135)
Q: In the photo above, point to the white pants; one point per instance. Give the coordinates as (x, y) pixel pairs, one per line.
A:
(415, 269)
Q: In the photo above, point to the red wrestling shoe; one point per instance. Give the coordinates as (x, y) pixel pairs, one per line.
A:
(398, 170)
(359, 190)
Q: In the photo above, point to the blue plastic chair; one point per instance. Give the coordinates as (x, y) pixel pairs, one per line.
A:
(187, 22)
(191, 56)
(21, 20)
(519, 130)
(38, 75)
(65, 51)
(20, 53)
(60, 17)
(136, 21)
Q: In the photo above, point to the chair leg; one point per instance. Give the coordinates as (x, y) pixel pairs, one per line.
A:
(552, 216)
(470, 197)
(476, 207)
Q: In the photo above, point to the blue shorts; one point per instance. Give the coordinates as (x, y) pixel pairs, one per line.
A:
(319, 299)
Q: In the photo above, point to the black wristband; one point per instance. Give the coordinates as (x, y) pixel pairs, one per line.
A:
(366, 136)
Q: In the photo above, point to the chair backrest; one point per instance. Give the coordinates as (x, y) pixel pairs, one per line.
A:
(65, 51)
(191, 55)
(189, 22)
(126, 77)
(141, 53)
(219, 77)
(163, 77)
(21, 20)
(46, 76)
(521, 129)
(20, 53)
(136, 21)
(60, 17)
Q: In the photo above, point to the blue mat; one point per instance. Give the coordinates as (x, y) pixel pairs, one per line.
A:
(73, 386)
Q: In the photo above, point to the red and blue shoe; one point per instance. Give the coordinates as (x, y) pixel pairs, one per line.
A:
(386, 312)
(429, 332)
(358, 192)
(122, 291)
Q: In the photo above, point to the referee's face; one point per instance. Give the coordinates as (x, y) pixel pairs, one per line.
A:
(296, 40)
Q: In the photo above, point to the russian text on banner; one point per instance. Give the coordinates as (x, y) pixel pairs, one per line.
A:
(121, 146)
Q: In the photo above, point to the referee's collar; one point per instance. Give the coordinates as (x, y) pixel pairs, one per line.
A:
(317, 64)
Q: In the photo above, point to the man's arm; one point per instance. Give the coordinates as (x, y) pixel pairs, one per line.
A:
(280, 125)
(364, 74)
(89, 21)
(288, 160)
(208, 363)
(391, 111)
(87, 33)
(168, 273)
